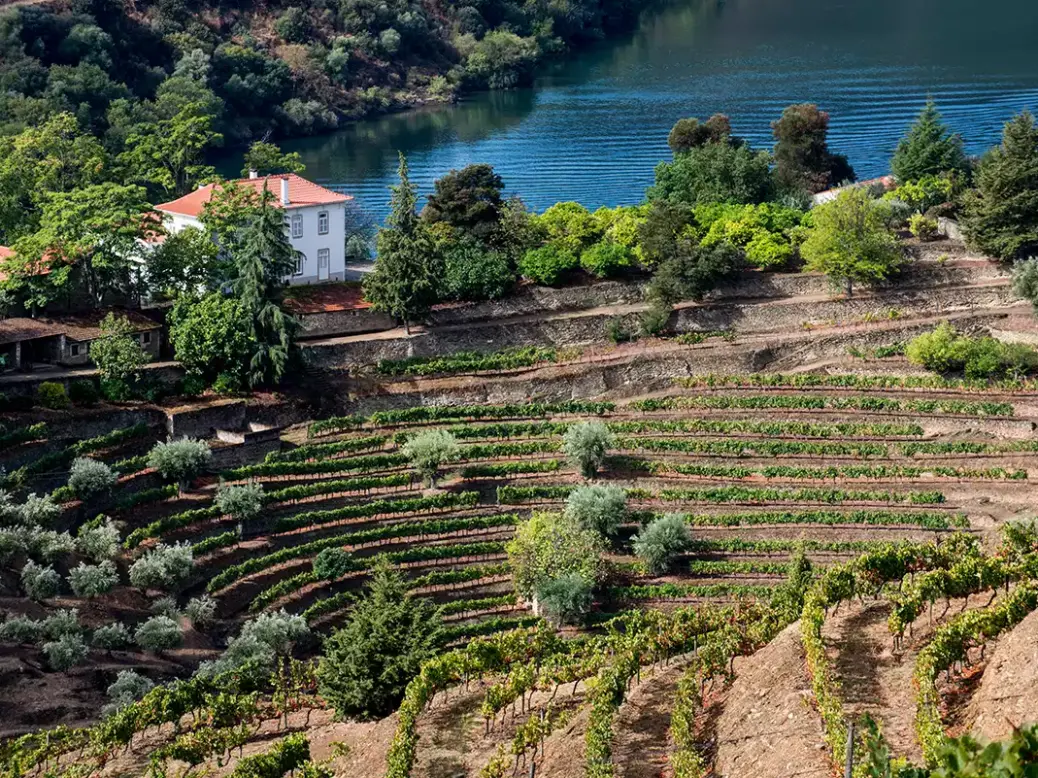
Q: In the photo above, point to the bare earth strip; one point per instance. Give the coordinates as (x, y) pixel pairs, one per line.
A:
(1008, 693)
(769, 728)
(641, 743)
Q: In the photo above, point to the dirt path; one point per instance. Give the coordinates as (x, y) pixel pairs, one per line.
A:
(768, 727)
(641, 743)
(875, 680)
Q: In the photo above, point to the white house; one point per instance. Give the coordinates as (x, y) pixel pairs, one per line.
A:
(315, 220)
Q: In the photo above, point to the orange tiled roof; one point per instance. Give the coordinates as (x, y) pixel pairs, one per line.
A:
(80, 327)
(301, 193)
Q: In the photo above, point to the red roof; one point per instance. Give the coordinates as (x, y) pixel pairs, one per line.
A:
(43, 267)
(301, 193)
(6, 253)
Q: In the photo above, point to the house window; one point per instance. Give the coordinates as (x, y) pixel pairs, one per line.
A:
(297, 225)
(146, 338)
(322, 223)
(300, 262)
(73, 349)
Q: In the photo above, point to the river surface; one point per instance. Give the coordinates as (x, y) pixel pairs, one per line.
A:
(593, 130)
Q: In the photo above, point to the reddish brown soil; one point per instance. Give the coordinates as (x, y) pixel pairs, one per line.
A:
(641, 744)
(1008, 693)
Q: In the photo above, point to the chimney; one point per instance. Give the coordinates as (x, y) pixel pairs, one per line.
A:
(284, 191)
(253, 173)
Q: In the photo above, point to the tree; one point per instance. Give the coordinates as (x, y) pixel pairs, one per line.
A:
(164, 567)
(565, 600)
(1000, 216)
(928, 148)
(714, 173)
(201, 611)
(331, 564)
(21, 629)
(259, 644)
(111, 637)
(803, 162)
(849, 241)
(89, 478)
(687, 134)
(585, 445)
(368, 663)
(599, 508)
(548, 545)
(428, 450)
(93, 580)
(66, 652)
(118, 353)
(126, 689)
(267, 159)
(243, 502)
(61, 623)
(606, 258)
(471, 272)
(692, 271)
(408, 270)
(98, 539)
(469, 200)
(211, 336)
(158, 634)
(95, 231)
(263, 260)
(38, 582)
(180, 461)
(185, 263)
(789, 598)
(1025, 280)
(663, 539)
(547, 265)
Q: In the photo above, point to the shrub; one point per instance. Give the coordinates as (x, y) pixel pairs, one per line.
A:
(1025, 280)
(21, 629)
(65, 653)
(83, 392)
(127, 688)
(38, 511)
(368, 663)
(564, 600)
(62, 622)
(547, 546)
(473, 273)
(585, 445)
(111, 637)
(617, 331)
(598, 508)
(242, 503)
(605, 259)
(98, 539)
(158, 634)
(655, 320)
(923, 227)
(428, 450)
(769, 252)
(51, 394)
(547, 265)
(570, 227)
(661, 541)
(89, 478)
(201, 611)
(164, 567)
(179, 461)
(332, 564)
(944, 351)
(259, 644)
(166, 606)
(39, 582)
(93, 580)
(714, 173)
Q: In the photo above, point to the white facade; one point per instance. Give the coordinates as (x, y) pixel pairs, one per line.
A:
(316, 230)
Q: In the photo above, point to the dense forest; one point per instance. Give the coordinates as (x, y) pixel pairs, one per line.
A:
(258, 69)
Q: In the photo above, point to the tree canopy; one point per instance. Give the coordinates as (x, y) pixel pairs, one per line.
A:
(928, 149)
(803, 162)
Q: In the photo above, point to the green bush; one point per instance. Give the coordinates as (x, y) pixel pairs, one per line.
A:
(242, 502)
(945, 351)
(128, 687)
(93, 580)
(98, 539)
(201, 611)
(922, 227)
(427, 451)
(473, 273)
(547, 265)
(586, 444)
(111, 637)
(605, 259)
(51, 394)
(565, 600)
(83, 392)
(662, 540)
(181, 460)
(599, 508)
(158, 634)
(40, 583)
(331, 564)
(547, 546)
(21, 629)
(65, 653)
(164, 567)
(90, 479)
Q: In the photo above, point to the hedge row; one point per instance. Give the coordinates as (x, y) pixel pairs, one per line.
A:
(351, 464)
(836, 471)
(511, 468)
(61, 459)
(515, 410)
(755, 448)
(37, 431)
(467, 361)
(438, 502)
(333, 425)
(821, 402)
(852, 381)
(681, 591)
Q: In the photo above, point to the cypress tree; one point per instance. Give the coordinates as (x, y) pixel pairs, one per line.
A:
(928, 148)
(1000, 216)
(408, 269)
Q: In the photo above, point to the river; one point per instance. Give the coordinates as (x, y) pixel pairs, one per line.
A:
(593, 129)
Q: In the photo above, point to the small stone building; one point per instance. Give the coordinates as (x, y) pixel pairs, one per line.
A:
(64, 341)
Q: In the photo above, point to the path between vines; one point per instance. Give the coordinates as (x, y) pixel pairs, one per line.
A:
(641, 744)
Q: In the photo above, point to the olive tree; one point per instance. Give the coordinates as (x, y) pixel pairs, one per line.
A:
(66, 652)
(60, 623)
(599, 508)
(128, 687)
(662, 540)
(93, 580)
(21, 629)
(201, 611)
(179, 461)
(428, 450)
(40, 582)
(548, 545)
(565, 600)
(89, 478)
(242, 502)
(111, 637)
(164, 567)
(585, 445)
(98, 539)
(259, 644)
(158, 634)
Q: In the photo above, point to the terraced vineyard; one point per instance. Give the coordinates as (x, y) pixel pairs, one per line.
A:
(897, 491)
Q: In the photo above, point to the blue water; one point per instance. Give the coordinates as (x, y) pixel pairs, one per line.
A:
(593, 130)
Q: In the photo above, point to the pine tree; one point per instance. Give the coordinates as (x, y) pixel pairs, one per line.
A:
(929, 148)
(408, 269)
(368, 663)
(1000, 216)
(262, 262)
